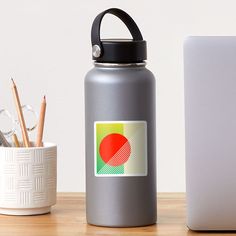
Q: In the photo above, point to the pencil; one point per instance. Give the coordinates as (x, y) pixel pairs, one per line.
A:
(20, 115)
(15, 140)
(39, 139)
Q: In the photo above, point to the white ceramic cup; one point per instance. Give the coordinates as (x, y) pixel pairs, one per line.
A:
(28, 179)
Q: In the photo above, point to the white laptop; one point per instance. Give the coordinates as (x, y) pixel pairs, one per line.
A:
(210, 117)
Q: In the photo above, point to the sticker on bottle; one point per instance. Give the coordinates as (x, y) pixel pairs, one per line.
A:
(120, 148)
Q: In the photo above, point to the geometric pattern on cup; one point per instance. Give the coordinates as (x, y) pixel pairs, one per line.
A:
(28, 177)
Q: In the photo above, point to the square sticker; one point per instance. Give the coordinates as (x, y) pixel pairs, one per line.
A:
(120, 148)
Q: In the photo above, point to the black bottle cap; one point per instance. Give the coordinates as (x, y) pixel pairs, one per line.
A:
(118, 50)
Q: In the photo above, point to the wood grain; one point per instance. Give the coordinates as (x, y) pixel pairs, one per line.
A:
(68, 218)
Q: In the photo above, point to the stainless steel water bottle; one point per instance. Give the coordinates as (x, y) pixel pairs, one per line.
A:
(120, 130)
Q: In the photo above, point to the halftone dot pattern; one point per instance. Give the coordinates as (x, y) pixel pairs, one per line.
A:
(121, 155)
(114, 149)
(120, 148)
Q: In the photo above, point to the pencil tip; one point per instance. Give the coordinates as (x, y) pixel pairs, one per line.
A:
(13, 81)
(44, 97)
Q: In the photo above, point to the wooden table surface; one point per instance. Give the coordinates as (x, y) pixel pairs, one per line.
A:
(68, 218)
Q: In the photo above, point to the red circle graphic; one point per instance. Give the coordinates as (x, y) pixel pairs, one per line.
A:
(115, 149)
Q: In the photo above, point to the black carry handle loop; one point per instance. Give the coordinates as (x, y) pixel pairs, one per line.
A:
(124, 17)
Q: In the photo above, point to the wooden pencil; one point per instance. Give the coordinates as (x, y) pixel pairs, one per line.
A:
(20, 115)
(39, 140)
(15, 140)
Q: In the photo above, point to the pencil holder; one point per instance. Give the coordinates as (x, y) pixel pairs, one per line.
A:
(28, 178)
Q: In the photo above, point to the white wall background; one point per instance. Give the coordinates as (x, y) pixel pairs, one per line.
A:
(45, 46)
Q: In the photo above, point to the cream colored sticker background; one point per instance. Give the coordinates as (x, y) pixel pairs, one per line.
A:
(136, 134)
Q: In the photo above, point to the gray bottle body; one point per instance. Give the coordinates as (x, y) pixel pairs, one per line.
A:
(120, 93)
